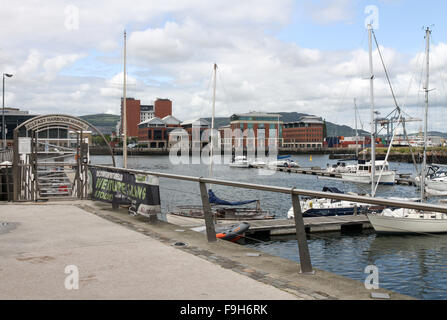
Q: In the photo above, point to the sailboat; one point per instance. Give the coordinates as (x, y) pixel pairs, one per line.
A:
(371, 172)
(363, 172)
(435, 180)
(222, 209)
(404, 220)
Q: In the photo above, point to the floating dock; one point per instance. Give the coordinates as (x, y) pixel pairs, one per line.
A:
(401, 179)
(276, 227)
(311, 225)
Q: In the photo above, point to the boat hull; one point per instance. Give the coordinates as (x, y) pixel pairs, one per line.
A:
(388, 178)
(384, 224)
(436, 185)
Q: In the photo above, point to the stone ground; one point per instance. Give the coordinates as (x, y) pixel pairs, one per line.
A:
(124, 257)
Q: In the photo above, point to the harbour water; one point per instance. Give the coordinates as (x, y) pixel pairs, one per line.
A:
(411, 265)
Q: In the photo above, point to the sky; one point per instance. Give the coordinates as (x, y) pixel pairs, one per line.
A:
(273, 56)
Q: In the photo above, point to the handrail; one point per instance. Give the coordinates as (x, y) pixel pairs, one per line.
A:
(294, 191)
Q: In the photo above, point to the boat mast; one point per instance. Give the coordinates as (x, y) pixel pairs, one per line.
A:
(124, 115)
(356, 132)
(212, 120)
(424, 161)
(371, 86)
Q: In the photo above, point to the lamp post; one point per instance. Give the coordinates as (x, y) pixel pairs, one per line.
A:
(3, 111)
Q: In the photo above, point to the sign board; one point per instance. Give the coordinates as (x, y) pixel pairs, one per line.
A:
(140, 191)
(42, 121)
(24, 145)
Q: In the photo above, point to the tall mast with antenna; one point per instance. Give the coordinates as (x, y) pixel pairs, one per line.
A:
(124, 113)
(212, 120)
(424, 161)
(371, 86)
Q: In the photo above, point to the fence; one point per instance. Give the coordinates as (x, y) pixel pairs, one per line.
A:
(6, 183)
(305, 261)
(6, 155)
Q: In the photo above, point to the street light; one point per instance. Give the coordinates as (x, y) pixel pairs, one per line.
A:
(3, 111)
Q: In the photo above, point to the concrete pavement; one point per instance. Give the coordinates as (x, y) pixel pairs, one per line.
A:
(113, 262)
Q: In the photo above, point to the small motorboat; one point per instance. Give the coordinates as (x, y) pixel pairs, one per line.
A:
(288, 163)
(323, 207)
(240, 162)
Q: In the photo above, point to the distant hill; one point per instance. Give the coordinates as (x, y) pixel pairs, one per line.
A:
(106, 123)
(432, 133)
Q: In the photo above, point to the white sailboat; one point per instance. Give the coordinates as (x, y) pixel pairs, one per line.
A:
(222, 209)
(404, 220)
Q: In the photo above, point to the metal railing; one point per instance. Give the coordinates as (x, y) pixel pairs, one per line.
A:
(6, 155)
(305, 262)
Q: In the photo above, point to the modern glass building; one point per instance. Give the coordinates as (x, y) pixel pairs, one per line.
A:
(257, 128)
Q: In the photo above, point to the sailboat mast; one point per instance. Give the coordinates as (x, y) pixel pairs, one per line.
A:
(356, 132)
(371, 86)
(124, 113)
(424, 161)
(212, 120)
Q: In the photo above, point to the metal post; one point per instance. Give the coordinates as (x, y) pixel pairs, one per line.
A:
(209, 224)
(3, 115)
(16, 167)
(305, 262)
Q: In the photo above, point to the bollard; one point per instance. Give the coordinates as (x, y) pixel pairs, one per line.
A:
(209, 223)
(303, 249)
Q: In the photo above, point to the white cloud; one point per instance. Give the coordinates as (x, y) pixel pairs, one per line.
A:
(55, 64)
(330, 11)
(172, 47)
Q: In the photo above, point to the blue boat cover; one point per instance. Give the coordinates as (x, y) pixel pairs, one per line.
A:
(213, 199)
(282, 157)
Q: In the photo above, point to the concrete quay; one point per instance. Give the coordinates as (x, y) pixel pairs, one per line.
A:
(120, 256)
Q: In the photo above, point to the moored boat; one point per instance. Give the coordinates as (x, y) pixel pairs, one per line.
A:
(240, 162)
(323, 207)
(362, 173)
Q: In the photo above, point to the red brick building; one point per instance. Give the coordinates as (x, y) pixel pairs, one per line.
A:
(153, 133)
(163, 108)
(132, 116)
(307, 132)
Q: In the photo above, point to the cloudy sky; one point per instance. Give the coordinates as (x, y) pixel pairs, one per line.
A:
(282, 55)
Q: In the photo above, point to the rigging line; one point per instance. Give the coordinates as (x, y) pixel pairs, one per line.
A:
(225, 94)
(397, 107)
(386, 71)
